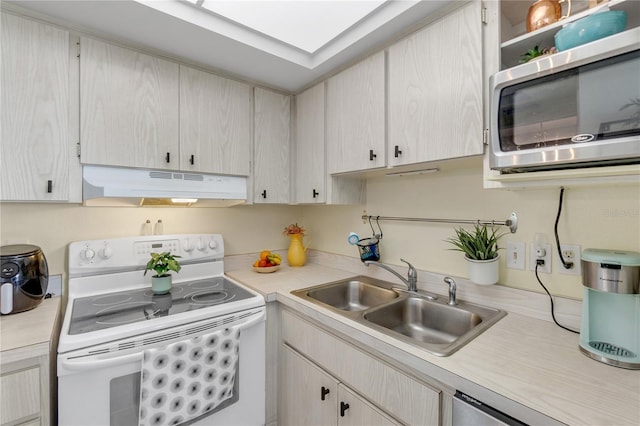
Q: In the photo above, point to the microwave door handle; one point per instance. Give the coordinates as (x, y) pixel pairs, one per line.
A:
(90, 363)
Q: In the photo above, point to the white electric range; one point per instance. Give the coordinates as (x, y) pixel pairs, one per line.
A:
(114, 325)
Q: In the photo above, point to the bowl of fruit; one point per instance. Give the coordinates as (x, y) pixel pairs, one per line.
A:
(268, 262)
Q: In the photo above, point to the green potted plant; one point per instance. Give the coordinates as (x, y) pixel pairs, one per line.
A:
(162, 263)
(480, 248)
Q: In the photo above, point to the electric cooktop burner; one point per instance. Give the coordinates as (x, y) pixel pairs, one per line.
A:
(111, 310)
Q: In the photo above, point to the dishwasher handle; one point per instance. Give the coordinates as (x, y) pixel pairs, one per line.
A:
(469, 411)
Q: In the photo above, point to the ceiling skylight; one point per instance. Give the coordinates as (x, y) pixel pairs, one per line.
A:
(305, 24)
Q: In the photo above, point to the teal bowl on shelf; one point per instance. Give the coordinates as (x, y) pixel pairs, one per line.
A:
(591, 28)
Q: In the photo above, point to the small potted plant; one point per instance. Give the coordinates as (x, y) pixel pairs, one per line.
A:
(480, 248)
(162, 263)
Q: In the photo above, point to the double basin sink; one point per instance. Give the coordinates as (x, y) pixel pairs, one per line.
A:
(433, 325)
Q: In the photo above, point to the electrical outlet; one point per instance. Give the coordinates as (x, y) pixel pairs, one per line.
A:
(571, 253)
(516, 255)
(540, 251)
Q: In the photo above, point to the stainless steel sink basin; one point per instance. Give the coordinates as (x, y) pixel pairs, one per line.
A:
(351, 295)
(425, 321)
(433, 325)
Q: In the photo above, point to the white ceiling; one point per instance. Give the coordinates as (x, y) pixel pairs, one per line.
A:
(285, 45)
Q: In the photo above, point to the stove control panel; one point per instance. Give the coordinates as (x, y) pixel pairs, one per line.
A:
(134, 252)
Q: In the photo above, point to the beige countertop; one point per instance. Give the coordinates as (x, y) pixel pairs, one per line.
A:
(529, 361)
(29, 334)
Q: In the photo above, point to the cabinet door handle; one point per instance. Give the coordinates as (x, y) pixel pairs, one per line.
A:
(343, 407)
(168, 157)
(49, 186)
(397, 151)
(192, 160)
(372, 156)
(323, 393)
(315, 193)
(264, 194)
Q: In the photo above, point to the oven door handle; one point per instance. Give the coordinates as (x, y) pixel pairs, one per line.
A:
(93, 362)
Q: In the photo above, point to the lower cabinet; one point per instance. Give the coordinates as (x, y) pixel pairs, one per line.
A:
(311, 396)
(325, 380)
(24, 387)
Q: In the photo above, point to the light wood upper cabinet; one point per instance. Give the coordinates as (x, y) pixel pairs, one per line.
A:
(356, 117)
(309, 166)
(313, 185)
(272, 128)
(435, 90)
(128, 107)
(34, 111)
(215, 123)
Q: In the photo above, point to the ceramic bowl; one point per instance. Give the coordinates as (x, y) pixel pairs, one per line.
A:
(266, 269)
(591, 28)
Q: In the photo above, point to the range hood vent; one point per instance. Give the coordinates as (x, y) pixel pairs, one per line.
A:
(116, 186)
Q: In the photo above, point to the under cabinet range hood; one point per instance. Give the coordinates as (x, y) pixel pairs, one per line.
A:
(116, 186)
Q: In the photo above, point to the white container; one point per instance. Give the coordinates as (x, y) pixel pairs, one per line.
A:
(483, 272)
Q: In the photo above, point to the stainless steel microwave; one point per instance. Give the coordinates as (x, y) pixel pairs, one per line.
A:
(576, 108)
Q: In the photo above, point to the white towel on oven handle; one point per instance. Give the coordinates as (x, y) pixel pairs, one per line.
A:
(187, 379)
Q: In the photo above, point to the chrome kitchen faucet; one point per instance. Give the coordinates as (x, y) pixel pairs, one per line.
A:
(412, 275)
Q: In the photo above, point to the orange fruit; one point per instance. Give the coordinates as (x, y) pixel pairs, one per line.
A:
(256, 263)
(264, 254)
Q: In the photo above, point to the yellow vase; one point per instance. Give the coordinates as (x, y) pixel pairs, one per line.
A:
(296, 255)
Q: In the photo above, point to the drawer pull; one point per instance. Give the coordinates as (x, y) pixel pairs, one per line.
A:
(323, 393)
(397, 151)
(49, 186)
(264, 194)
(315, 194)
(372, 156)
(343, 407)
(168, 157)
(192, 160)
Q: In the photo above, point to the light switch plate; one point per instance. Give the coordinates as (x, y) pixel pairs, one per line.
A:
(516, 255)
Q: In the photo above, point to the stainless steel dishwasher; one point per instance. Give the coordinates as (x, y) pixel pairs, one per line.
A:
(468, 411)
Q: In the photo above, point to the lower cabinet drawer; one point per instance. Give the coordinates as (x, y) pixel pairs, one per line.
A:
(401, 396)
(20, 394)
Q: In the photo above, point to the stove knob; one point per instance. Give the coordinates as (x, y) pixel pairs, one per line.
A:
(201, 245)
(106, 252)
(213, 244)
(88, 254)
(187, 246)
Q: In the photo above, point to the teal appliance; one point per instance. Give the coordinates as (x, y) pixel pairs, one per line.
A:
(610, 330)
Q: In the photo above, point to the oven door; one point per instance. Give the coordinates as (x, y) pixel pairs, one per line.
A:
(101, 385)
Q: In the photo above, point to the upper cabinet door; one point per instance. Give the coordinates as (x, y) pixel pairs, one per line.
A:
(309, 167)
(356, 117)
(435, 90)
(128, 107)
(35, 111)
(215, 123)
(271, 176)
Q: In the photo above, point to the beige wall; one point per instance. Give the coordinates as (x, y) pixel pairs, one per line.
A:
(603, 217)
(53, 226)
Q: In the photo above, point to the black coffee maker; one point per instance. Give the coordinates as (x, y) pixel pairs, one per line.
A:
(24, 277)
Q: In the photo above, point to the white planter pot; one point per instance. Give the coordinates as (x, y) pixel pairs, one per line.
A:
(483, 272)
(161, 285)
